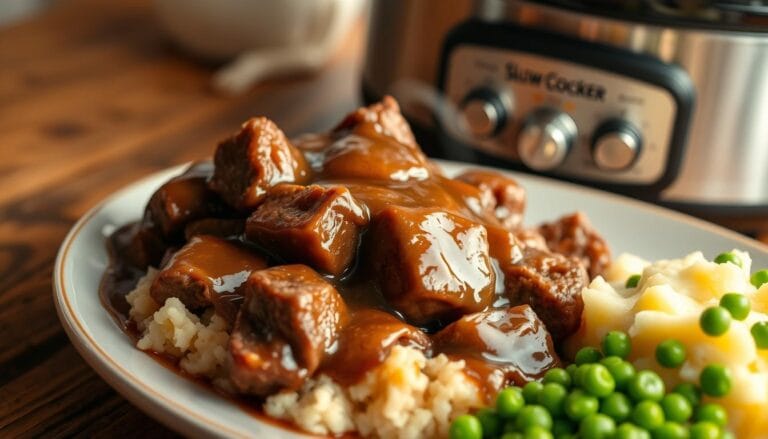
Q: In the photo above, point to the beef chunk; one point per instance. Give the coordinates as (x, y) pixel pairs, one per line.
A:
(432, 266)
(551, 284)
(316, 225)
(218, 227)
(375, 142)
(181, 200)
(531, 238)
(290, 318)
(252, 161)
(208, 271)
(138, 246)
(500, 345)
(508, 196)
(573, 235)
(366, 341)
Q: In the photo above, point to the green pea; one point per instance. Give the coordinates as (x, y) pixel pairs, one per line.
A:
(646, 385)
(715, 380)
(633, 280)
(533, 416)
(690, 392)
(759, 278)
(629, 430)
(531, 392)
(557, 375)
(726, 257)
(648, 415)
(760, 333)
(670, 430)
(509, 402)
(552, 397)
(597, 426)
(714, 413)
(466, 427)
(617, 406)
(580, 404)
(705, 430)
(617, 343)
(588, 355)
(670, 353)
(578, 376)
(598, 381)
(621, 370)
(715, 321)
(490, 422)
(571, 369)
(737, 304)
(561, 426)
(676, 407)
(537, 432)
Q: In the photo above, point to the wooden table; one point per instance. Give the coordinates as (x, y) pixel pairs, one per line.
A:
(92, 97)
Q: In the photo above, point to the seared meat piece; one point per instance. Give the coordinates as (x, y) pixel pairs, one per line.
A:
(182, 199)
(218, 227)
(432, 266)
(290, 318)
(366, 341)
(138, 246)
(375, 142)
(208, 271)
(508, 196)
(500, 345)
(551, 284)
(316, 225)
(573, 235)
(252, 161)
(504, 245)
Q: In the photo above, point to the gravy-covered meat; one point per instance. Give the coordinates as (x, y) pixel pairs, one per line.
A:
(573, 235)
(551, 284)
(508, 196)
(182, 199)
(252, 161)
(386, 115)
(315, 225)
(218, 227)
(208, 271)
(509, 345)
(290, 318)
(432, 266)
(366, 341)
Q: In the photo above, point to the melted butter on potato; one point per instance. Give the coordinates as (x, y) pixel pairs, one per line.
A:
(667, 303)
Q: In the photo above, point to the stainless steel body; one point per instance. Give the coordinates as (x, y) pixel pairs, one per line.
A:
(725, 159)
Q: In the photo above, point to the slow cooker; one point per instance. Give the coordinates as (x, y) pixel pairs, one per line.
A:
(660, 99)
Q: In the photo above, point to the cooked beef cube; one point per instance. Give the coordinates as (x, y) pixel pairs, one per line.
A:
(138, 246)
(366, 341)
(512, 341)
(475, 202)
(504, 246)
(432, 266)
(252, 161)
(386, 115)
(218, 227)
(294, 317)
(182, 199)
(551, 284)
(315, 225)
(573, 235)
(375, 142)
(508, 196)
(207, 271)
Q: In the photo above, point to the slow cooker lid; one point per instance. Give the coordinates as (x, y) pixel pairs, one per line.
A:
(734, 15)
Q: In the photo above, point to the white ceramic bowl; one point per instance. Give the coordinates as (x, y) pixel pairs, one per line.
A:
(181, 404)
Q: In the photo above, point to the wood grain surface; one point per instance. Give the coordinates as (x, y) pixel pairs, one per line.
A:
(93, 97)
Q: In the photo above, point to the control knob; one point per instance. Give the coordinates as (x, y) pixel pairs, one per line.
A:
(545, 138)
(484, 112)
(615, 145)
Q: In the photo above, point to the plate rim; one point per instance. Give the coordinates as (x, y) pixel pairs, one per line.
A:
(177, 416)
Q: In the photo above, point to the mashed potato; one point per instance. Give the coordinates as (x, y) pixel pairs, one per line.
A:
(667, 303)
(407, 396)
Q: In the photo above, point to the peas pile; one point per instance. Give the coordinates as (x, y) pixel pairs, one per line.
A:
(602, 395)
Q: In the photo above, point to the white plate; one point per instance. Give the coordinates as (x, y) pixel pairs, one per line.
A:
(628, 225)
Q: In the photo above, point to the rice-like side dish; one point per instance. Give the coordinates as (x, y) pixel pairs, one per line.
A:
(667, 304)
(407, 396)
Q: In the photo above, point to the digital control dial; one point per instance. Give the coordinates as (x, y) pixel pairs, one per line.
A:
(545, 138)
(615, 145)
(485, 111)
